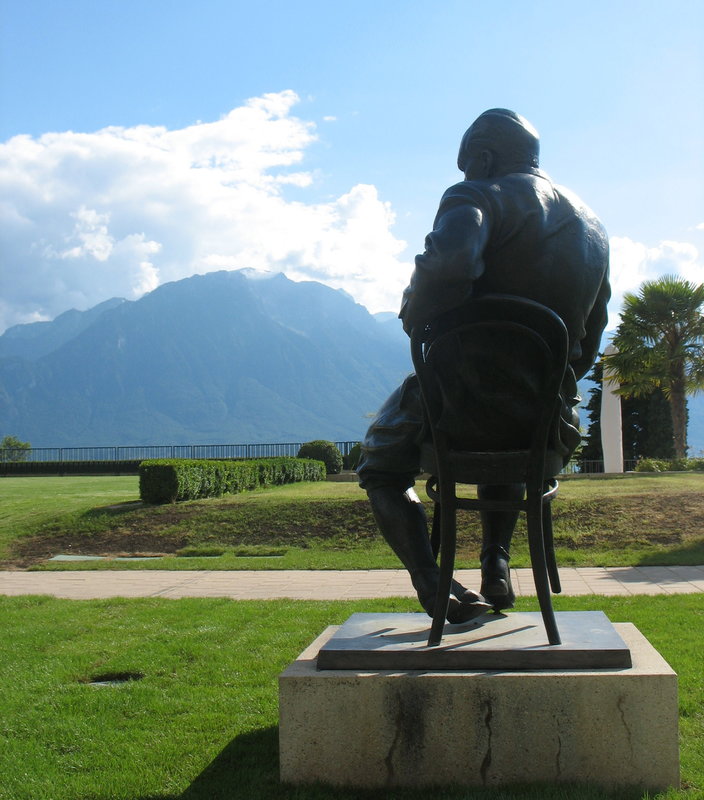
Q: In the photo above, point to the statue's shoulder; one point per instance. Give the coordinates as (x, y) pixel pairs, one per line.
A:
(568, 198)
(534, 182)
(475, 192)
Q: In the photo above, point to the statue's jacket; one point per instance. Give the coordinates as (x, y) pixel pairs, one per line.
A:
(522, 235)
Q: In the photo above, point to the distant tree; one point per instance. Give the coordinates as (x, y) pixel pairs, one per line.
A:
(591, 447)
(647, 427)
(660, 343)
(12, 449)
(646, 424)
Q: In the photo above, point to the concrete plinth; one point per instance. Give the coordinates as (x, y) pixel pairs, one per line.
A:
(611, 727)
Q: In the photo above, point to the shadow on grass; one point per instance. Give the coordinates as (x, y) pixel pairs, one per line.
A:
(116, 508)
(248, 769)
(112, 509)
(689, 554)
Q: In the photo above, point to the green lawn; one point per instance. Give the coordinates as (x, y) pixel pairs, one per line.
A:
(615, 520)
(29, 505)
(201, 722)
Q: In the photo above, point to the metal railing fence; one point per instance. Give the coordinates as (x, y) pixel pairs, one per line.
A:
(141, 452)
(136, 453)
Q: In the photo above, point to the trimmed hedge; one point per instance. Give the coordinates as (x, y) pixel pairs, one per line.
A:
(166, 480)
(130, 467)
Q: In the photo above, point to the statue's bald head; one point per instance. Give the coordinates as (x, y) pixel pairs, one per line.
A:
(509, 137)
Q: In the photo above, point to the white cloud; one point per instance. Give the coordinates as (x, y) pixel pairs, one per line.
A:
(634, 262)
(87, 216)
(91, 236)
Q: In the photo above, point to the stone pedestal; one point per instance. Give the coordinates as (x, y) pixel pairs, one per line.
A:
(611, 727)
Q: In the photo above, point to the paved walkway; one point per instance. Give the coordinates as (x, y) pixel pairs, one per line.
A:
(330, 585)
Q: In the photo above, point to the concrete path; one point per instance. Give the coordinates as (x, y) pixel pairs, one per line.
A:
(330, 585)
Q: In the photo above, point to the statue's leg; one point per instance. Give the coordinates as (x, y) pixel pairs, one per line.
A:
(387, 469)
(497, 530)
(401, 519)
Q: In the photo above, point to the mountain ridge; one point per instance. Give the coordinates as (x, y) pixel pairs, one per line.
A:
(215, 357)
(227, 357)
(35, 339)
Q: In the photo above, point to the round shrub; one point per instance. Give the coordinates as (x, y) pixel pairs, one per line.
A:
(352, 459)
(323, 451)
(652, 465)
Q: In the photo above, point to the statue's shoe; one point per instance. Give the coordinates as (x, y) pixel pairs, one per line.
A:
(468, 605)
(496, 578)
(463, 605)
(459, 611)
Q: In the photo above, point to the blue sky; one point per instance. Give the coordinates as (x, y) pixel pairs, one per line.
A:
(146, 141)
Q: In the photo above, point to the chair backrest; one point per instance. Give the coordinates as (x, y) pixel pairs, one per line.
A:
(491, 372)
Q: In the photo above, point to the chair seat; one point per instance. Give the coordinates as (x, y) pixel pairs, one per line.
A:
(510, 466)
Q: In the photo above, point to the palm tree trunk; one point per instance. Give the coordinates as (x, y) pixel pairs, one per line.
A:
(678, 409)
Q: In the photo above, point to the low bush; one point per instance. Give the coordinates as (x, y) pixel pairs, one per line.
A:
(652, 465)
(669, 465)
(324, 451)
(170, 479)
(122, 467)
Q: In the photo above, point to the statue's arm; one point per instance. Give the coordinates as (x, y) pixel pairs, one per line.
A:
(452, 261)
(594, 326)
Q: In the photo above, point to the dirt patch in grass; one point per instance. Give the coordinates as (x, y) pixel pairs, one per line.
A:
(630, 520)
(167, 529)
(616, 522)
(34, 549)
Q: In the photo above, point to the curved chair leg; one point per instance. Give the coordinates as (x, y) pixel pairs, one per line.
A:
(435, 533)
(550, 549)
(448, 538)
(534, 513)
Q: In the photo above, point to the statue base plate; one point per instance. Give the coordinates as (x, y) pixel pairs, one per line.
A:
(514, 641)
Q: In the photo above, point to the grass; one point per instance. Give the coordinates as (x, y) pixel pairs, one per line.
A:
(29, 505)
(201, 723)
(624, 520)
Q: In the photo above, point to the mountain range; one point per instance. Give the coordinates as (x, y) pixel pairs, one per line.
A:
(226, 357)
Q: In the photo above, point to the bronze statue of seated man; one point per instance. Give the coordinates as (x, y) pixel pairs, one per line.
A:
(505, 229)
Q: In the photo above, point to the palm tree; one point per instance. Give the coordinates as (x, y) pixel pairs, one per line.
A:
(660, 343)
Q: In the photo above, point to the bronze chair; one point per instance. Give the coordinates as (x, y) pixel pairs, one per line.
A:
(490, 376)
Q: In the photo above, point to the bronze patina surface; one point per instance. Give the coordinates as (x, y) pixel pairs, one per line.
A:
(513, 641)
